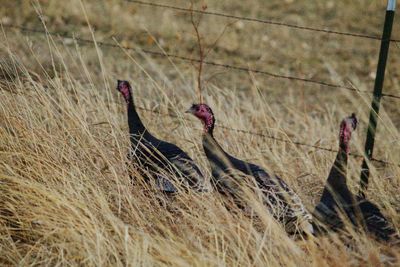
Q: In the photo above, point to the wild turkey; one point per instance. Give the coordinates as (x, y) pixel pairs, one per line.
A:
(155, 158)
(282, 202)
(337, 200)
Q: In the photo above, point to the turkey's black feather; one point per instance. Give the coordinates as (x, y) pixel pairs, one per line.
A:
(374, 221)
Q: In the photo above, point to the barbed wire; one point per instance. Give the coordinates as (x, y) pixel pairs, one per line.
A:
(296, 143)
(271, 22)
(189, 59)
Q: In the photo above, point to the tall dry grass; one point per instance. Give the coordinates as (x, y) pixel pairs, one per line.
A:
(66, 198)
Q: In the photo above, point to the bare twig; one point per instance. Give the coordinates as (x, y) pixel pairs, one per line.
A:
(201, 51)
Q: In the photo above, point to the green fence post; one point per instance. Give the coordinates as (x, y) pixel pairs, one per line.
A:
(380, 75)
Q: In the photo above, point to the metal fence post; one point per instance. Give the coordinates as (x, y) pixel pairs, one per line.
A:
(380, 75)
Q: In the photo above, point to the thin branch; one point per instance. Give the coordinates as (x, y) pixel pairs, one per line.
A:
(201, 51)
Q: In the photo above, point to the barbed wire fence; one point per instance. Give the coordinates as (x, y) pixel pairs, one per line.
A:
(84, 41)
(263, 135)
(193, 60)
(257, 20)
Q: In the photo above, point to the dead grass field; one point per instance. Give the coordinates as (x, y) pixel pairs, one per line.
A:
(65, 197)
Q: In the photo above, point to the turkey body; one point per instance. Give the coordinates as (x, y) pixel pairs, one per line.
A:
(156, 159)
(229, 174)
(338, 202)
(282, 202)
(160, 160)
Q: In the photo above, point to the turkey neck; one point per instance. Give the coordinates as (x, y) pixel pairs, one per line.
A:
(338, 173)
(336, 184)
(214, 152)
(136, 126)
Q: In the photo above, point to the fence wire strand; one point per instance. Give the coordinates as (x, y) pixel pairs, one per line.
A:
(264, 21)
(296, 143)
(189, 59)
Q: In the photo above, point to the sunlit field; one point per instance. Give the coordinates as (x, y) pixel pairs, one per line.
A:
(65, 193)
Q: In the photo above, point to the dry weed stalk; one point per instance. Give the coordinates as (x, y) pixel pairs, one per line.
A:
(201, 51)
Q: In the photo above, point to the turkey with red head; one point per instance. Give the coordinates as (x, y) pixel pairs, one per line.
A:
(282, 202)
(157, 159)
(338, 202)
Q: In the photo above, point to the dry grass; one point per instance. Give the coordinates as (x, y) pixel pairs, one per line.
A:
(65, 197)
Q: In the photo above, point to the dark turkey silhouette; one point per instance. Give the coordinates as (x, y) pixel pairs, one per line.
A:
(338, 202)
(227, 172)
(155, 158)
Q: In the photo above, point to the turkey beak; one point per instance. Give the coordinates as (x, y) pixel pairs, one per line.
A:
(354, 121)
(190, 110)
(118, 84)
